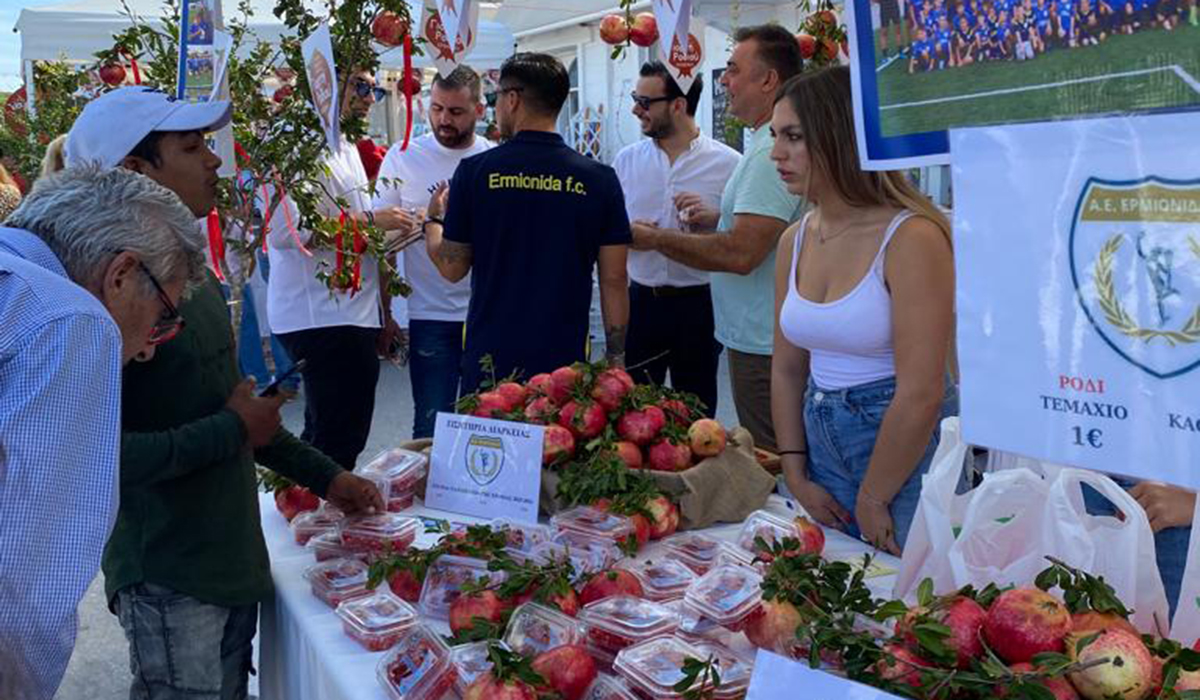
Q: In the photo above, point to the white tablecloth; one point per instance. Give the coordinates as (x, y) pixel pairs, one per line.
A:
(305, 655)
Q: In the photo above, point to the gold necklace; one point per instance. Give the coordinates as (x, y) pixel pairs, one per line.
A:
(823, 239)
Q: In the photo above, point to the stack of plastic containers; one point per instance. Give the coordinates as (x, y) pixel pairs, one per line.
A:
(376, 621)
(397, 473)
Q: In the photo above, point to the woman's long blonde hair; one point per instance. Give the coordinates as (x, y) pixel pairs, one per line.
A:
(822, 102)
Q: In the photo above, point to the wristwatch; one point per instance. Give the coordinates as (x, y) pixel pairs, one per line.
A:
(431, 220)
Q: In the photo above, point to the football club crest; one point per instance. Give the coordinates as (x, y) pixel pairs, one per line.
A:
(1135, 262)
(484, 458)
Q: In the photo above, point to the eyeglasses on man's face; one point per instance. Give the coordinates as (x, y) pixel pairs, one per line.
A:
(171, 322)
(645, 102)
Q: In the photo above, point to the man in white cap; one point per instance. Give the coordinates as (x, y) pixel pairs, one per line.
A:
(186, 566)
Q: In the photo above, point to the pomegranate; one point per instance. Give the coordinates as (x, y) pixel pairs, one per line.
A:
(282, 94)
(611, 386)
(677, 412)
(810, 534)
(558, 444)
(567, 602)
(513, 393)
(667, 456)
(483, 604)
(830, 47)
(1026, 621)
(491, 405)
(962, 615)
(1060, 687)
(112, 74)
(808, 45)
(486, 687)
(1089, 621)
(630, 453)
(665, 517)
(539, 385)
(614, 29)
(773, 625)
(1127, 675)
(707, 438)
(585, 420)
(541, 411)
(644, 30)
(562, 383)
(389, 28)
(294, 500)
(568, 670)
(642, 529)
(406, 585)
(610, 583)
(900, 666)
(641, 427)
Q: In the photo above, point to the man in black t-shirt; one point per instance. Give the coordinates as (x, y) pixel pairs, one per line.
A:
(529, 220)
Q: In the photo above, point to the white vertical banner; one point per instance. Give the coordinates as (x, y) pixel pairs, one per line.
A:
(455, 16)
(445, 56)
(322, 82)
(674, 18)
(1077, 249)
(685, 59)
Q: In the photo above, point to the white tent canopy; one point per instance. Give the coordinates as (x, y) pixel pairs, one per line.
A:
(76, 30)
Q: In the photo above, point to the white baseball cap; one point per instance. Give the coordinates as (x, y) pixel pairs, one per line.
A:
(111, 125)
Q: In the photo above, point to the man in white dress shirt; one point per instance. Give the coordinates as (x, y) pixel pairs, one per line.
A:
(437, 308)
(335, 332)
(670, 304)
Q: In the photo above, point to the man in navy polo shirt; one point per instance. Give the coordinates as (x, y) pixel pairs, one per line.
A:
(529, 220)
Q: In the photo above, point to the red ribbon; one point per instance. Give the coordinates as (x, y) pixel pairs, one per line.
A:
(360, 245)
(339, 246)
(408, 90)
(137, 75)
(245, 158)
(216, 244)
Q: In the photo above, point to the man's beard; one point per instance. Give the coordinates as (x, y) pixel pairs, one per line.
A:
(455, 139)
(658, 130)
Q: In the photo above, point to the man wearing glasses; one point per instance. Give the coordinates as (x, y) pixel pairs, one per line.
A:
(90, 271)
(670, 303)
(529, 220)
(339, 335)
(186, 566)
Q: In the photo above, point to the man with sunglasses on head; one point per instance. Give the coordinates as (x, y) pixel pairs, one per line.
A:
(91, 267)
(670, 303)
(529, 220)
(187, 566)
(340, 335)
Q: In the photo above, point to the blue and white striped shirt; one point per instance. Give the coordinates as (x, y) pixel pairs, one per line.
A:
(60, 390)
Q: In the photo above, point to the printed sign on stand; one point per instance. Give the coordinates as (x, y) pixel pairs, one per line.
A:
(204, 52)
(779, 678)
(434, 32)
(486, 468)
(674, 18)
(684, 64)
(1077, 247)
(322, 83)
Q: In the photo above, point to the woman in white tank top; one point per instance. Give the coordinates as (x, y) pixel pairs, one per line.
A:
(865, 312)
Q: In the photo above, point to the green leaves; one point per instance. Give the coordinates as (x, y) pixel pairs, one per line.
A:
(509, 665)
(1081, 591)
(701, 678)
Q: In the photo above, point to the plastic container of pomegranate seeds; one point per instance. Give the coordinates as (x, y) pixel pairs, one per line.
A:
(768, 526)
(663, 579)
(378, 533)
(338, 580)
(328, 545)
(522, 537)
(535, 628)
(593, 524)
(444, 582)
(470, 662)
(587, 557)
(653, 668)
(607, 687)
(621, 621)
(727, 595)
(697, 551)
(735, 668)
(730, 554)
(376, 621)
(397, 473)
(418, 667)
(314, 522)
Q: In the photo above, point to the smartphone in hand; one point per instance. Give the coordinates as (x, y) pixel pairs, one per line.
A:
(273, 388)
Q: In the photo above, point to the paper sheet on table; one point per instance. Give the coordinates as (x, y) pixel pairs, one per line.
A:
(779, 678)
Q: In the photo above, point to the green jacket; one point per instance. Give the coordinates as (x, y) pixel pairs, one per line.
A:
(189, 505)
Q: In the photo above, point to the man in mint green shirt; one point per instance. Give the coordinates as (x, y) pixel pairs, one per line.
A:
(737, 243)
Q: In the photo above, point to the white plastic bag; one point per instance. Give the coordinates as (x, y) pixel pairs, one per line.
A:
(999, 460)
(939, 514)
(1185, 626)
(1000, 540)
(1122, 551)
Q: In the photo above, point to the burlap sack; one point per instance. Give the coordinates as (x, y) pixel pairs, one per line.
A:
(725, 488)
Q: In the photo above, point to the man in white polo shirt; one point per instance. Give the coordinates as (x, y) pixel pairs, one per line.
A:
(670, 303)
(437, 308)
(336, 333)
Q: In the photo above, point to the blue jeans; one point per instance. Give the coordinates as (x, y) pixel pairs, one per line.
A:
(183, 649)
(434, 365)
(1170, 545)
(841, 427)
(251, 360)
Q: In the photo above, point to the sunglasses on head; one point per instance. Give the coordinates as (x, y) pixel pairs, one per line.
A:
(364, 90)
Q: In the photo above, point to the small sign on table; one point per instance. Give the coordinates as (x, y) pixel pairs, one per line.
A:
(485, 468)
(779, 678)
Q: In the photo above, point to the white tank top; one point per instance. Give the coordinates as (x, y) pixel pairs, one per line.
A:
(849, 340)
